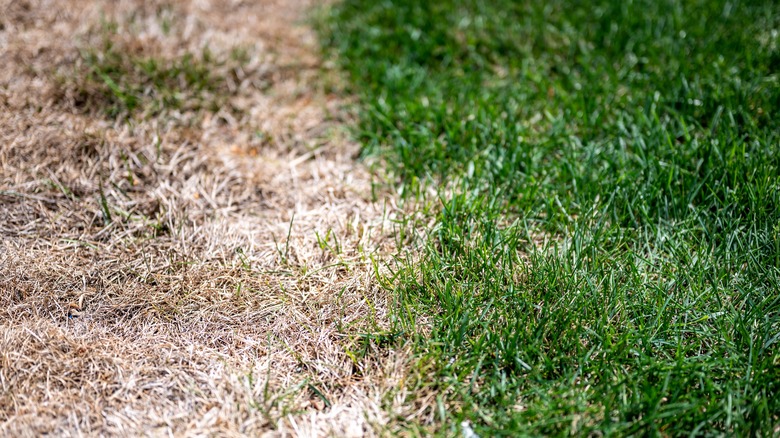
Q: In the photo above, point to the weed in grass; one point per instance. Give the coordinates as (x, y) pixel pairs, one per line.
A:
(642, 139)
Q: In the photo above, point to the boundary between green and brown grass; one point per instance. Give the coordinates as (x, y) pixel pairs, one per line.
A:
(605, 257)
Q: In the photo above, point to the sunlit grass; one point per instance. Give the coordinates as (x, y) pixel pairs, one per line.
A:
(609, 260)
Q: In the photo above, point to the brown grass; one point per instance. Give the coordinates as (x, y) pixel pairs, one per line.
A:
(164, 275)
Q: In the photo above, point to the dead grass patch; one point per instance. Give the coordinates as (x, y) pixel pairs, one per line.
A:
(197, 270)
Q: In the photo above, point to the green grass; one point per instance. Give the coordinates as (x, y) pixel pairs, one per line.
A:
(609, 258)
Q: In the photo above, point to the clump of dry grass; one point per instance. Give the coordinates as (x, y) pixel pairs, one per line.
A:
(195, 270)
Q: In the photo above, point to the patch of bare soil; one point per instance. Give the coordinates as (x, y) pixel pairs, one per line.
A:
(189, 269)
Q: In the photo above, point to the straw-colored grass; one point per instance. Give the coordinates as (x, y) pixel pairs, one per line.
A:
(185, 269)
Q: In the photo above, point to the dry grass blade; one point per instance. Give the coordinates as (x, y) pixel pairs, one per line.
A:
(153, 278)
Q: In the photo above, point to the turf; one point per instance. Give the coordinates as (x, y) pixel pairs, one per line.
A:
(605, 255)
(168, 268)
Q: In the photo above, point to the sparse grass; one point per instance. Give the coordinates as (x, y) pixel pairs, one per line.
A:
(120, 77)
(125, 82)
(606, 259)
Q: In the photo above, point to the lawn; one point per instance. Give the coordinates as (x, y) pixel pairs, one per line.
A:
(602, 181)
(416, 218)
(185, 236)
